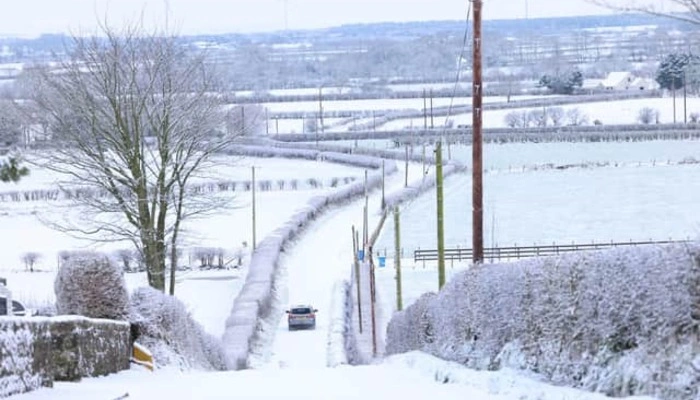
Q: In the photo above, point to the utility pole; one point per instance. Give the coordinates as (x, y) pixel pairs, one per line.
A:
(423, 159)
(673, 90)
(405, 184)
(267, 123)
(477, 173)
(440, 215)
(253, 191)
(373, 300)
(383, 182)
(365, 234)
(431, 109)
(320, 109)
(355, 240)
(243, 127)
(685, 95)
(425, 112)
(397, 258)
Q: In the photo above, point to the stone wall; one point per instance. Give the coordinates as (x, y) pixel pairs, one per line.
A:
(37, 351)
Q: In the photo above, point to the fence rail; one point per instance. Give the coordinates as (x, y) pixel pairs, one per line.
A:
(517, 252)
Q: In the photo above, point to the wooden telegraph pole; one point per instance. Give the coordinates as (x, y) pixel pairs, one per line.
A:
(397, 258)
(320, 109)
(253, 191)
(440, 213)
(477, 173)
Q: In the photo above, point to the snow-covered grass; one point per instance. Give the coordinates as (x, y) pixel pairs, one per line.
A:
(579, 205)
(405, 376)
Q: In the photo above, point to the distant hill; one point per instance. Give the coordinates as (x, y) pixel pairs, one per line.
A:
(405, 30)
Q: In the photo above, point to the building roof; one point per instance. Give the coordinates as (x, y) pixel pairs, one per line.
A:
(615, 78)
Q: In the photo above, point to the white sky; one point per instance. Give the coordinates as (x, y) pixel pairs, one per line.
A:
(32, 17)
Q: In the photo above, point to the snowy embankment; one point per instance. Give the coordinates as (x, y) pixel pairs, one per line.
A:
(621, 322)
(253, 306)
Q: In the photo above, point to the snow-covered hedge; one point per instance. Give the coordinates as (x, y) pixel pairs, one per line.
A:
(36, 351)
(168, 330)
(621, 321)
(340, 342)
(92, 285)
(254, 307)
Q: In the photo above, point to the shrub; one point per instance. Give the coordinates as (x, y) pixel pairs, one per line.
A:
(574, 117)
(556, 115)
(30, 259)
(90, 284)
(166, 327)
(647, 115)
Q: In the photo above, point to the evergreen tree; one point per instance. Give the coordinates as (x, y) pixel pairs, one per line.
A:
(12, 171)
(673, 70)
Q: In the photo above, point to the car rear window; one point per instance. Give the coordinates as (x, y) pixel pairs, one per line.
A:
(301, 310)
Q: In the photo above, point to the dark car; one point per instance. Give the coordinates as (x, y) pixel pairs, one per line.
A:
(301, 317)
(17, 307)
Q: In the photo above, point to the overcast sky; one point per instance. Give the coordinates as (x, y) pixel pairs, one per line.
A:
(32, 17)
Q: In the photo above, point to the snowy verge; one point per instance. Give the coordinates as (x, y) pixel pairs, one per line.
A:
(338, 345)
(255, 308)
(506, 382)
(170, 332)
(621, 321)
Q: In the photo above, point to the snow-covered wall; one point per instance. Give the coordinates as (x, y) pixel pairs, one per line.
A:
(620, 321)
(36, 351)
(255, 302)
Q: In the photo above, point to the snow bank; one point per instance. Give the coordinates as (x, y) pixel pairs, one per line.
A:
(340, 320)
(254, 310)
(621, 322)
(504, 383)
(166, 328)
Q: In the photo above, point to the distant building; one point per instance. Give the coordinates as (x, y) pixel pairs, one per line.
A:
(618, 80)
(644, 84)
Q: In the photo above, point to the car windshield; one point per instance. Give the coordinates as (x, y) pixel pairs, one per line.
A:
(301, 310)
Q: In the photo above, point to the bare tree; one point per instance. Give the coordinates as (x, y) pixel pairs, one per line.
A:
(30, 259)
(134, 115)
(681, 10)
(647, 115)
(246, 119)
(556, 114)
(576, 117)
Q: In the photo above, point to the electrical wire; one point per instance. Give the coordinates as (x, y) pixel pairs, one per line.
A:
(459, 65)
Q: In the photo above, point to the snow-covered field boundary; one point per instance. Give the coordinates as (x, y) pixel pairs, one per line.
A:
(254, 307)
(340, 347)
(36, 351)
(621, 321)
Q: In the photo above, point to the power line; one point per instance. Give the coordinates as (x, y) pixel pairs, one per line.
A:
(459, 64)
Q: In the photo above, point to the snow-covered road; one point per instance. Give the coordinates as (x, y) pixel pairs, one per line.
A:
(320, 257)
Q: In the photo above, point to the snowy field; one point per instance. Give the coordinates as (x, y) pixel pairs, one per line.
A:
(23, 231)
(607, 112)
(636, 195)
(386, 104)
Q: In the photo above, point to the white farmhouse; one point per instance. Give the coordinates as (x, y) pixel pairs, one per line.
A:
(644, 84)
(618, 80)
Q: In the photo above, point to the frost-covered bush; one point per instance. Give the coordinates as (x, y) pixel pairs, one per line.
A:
(622, 321)
(91, 285)
(648, 115)
(168, 330)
